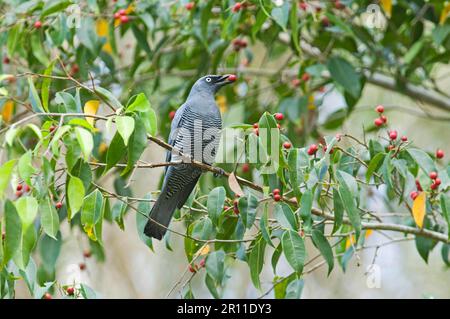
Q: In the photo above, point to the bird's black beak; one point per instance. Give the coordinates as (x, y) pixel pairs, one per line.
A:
(227, 79)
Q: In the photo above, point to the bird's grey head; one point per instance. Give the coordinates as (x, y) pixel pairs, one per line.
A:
(210, 84)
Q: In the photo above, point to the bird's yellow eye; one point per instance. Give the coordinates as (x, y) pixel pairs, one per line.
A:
(208, 80)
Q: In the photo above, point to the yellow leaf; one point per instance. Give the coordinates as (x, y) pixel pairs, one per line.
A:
(369, 232)
(89, 229)
(7, 111)
(130, 9)
(387, 7)
(91, 108)
(445, 13)
(350, 241)
(419, 209)
(222, 103)
(205, 250)
(102, 147)
(311, 105)
(102, 27)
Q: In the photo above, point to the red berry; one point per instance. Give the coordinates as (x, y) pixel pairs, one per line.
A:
(379, 109)
(303, 6)
(404, 139)
(276, 191)
(82, 266)
(256, 131)
(338, 5)
(74, 69)
(70, 291)
(378, 122)
(52, 128)
(47, 296)
(124, 19)
(202, 263)
(236, 210)
(287, 145)
(439, 153)
(237, 7)
(58, 205)
(312, 149)
(277, 197)
(295, 82)
(3, 236)
(437, 181)
(279, 116)
(38, 24)
(232, 77)
(338, 137)
(189, 6)
(122, 12)
(19, 187)
(383, 118)
(226, 207)
(117, 15)
(192, 269)
(306, 77)
(434, 186)
(325, 20)
(26, 188)
(87, 254)
(390, 147)
(414, 195)
(393, 135)
(433, 175)
(171, 115)
(255, 125)
(419, 187)
(19, 193)
(245, 168)
(6, 60)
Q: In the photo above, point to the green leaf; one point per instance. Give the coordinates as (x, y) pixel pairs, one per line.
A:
(58, 135)
(305, 209)
(247, 209)
(54, 6)
(141, 220)
(108, 97)
(256, 261)
(202, 229)
(264, 225)
(294, 289)
(49, 250)
(86, 141)
(324, 247)
(75, 196)
(350, 207)
(22, 256)
(150, 121)
(13, 38)
(140, 104)
(91, 212)
(116, 151)
(13, 231)
(445, 206)
(27, 208)
(125, 127)
(5, 175)
(338, 208)
(37, 49)
(87, 292)
(344, 74)
(118, 212)
(374, 165)
(215, 265)
(281, 15)
(136, 145)
(25, 167)
(46, 82)
(285, 216)
(216, 200)
(36, 104)
(294, 27)
(49, 217)
(294, 250)
(423, 159)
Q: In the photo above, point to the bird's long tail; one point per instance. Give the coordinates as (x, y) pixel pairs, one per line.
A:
(160, 215)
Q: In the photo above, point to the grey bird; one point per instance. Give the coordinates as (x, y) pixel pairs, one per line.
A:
(195, 131)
